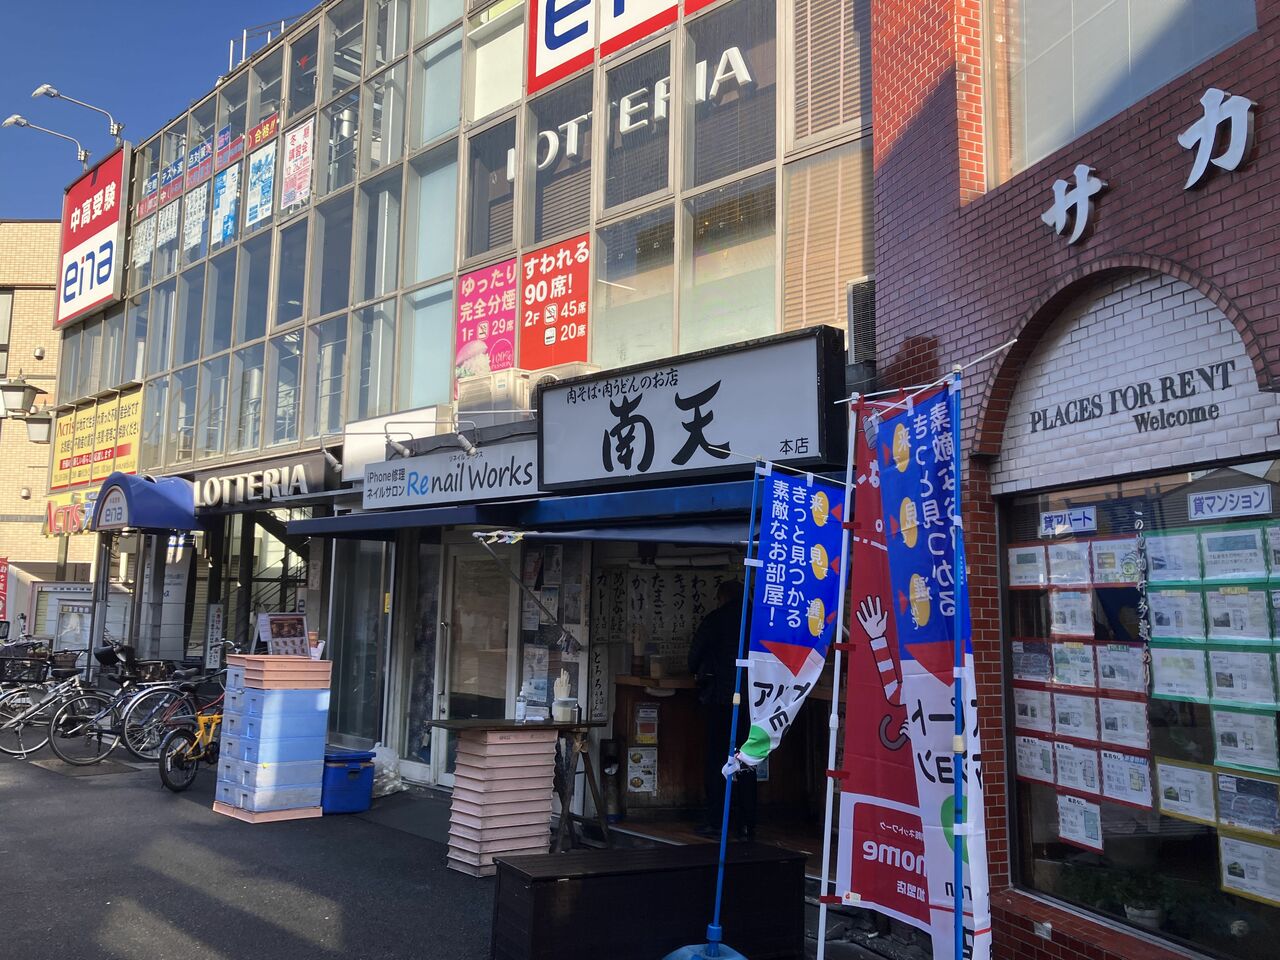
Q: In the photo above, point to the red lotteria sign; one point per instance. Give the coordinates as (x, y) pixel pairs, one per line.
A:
(554, 305)
(93, 239)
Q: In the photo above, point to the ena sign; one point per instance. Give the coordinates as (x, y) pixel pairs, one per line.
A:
(564, 33)
(93, 239)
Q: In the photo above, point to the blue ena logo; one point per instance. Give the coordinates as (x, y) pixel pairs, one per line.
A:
(557, 12)
(90, 271)
(418, 484)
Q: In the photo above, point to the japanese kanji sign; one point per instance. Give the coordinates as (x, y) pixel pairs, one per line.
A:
(1232, 502)
(200, 162)
(793, 603)
(93, 254)
(553, 308)
(486, 339)
(228, 149)
(296, 187)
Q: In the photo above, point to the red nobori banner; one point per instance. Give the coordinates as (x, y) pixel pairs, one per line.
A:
(93, 239)
(554, 305)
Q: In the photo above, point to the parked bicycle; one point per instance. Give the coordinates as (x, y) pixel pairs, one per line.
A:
(25, 711)
(192, 742)
(152, 713)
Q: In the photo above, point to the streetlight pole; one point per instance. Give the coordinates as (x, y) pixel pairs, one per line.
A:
(48, 90)
(16, 120)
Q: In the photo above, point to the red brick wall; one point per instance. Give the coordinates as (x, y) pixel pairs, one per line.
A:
(961, 269)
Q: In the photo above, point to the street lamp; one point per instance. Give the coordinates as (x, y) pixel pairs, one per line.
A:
(17, 395)
(39, 426)
(17, 120)
(49, 90)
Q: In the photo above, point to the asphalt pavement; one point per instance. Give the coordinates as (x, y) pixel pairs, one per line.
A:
(112, 865)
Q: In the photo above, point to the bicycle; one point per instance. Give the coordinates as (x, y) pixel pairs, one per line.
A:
(183, 749)
(152, 712)
(26, 712)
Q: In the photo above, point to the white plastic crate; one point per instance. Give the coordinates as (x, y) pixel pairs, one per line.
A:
(277, 703)
(260, 799)
(280, 750)
(295, 773)
(269, 728)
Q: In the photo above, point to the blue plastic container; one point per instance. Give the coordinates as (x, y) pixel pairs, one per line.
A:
(314, 724)
(288, 750)
(348, 781)
(276, 703)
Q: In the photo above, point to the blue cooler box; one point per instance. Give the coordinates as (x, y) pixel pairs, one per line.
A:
(348, 781)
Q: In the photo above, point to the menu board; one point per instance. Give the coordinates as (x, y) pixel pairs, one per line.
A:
(1249, 803)
(1073, 665)
(1034, 758)
(1238, 613)
(1126, 778)
(1173, 557)
(1185, 791)
(1123, 723)
(1069, 563)
(1033, 709)
(1075, 716)
(1077, 767)
(1080, 822)
(1245, 738)
(1233, 553)
(1250, 870)
(1177, 614)
(1027, 566)
(1242, 675)
(1115, 561)
(1071, 613)
(1178, 673)
(1122, 667)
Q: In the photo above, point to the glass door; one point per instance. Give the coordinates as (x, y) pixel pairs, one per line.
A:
(358, 617)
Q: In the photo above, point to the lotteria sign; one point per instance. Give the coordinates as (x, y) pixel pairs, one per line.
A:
(93, 239)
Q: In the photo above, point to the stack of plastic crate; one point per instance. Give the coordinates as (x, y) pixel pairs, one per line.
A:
(274, 721)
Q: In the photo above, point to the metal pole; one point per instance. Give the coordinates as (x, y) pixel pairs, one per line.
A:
(958, 742)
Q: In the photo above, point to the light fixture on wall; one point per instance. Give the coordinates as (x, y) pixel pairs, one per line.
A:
(17, 395)
(39, 426)
(25, 493)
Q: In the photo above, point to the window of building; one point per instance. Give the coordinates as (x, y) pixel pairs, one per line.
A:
(491, 190)
(830, 68)
(637, 151)
(344, 45)
(432, 214)
(146, 169)
(90, 358)
(195, 223)
(202, 129)
(165, 260)
(252, 300)
(268, 87)
(388, 31)
(559, 151)
(331, 288)
(112, 346)
(302, 71)
(425, 347)
(246, 399)
(285, 390)
(373, 334)
(173, 153)
(1059, 70)
(6, 321)
(135, 337)
(142, 245)
(186, 339)
(291, 273)
(211, 423)
(432, 16)
(151, 448)
(633, 300)
(339, 132)
(220, 298)
(378, 256)
(326, 357)
(163, 308)
(233, 105)
(495, 74)
(437, 89)
(180, 443)
(69, 365)
(383, 128)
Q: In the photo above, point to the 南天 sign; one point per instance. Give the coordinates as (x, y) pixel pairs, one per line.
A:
(93, 238)
(709, 412)
(285, 479)
(449, 475)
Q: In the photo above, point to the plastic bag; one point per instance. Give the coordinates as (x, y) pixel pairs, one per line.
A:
(386, 772)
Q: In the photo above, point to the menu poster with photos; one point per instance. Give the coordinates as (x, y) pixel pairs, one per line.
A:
(1123, 723)
(1249, 803)
(1242, 675)
(1173, 557)
(1238, 613)
(1233, 553)
(1071, 613)
(1176, 614)
(1034, 759)
(1027, 566)
(1073, 665)
(1185, 791)
(1115, 561)
(1126, 778)
(1080, 822)
(1069, 563)
(1075, 716)
(1178, 673)
(1245, 738)
(1250, 870)
(1122, 667)
(1077, 767)
(1031, 661)
(1033, 709)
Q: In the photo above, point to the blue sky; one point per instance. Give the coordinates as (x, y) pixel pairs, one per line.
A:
(143, 60)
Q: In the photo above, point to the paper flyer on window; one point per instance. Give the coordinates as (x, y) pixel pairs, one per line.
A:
(1250, 869)
(1185, 791)
(1033, 709)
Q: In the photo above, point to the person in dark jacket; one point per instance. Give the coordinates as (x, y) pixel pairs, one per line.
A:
(712, 660)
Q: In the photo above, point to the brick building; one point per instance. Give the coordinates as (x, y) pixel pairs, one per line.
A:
(1111, 450)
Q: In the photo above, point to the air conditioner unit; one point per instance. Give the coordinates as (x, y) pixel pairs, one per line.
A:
(860, 373)
(565, 371)
(494, 398)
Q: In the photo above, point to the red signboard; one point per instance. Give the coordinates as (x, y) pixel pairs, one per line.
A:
(4, 588)
(263, 132)
(553, 308)
(93, 239)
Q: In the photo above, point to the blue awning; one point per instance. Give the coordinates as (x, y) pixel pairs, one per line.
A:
(127, 501)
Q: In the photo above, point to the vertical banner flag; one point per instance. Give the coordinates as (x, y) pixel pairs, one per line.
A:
(793, 603)
(919, 493)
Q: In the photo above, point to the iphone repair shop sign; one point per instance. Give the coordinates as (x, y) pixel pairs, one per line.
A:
(93, 222)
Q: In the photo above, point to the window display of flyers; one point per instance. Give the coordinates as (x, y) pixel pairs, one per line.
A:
(1073, 665)
(1033, 709)
(1126, 778)
(1233, 553)
(1075, 716)
(1185, 791)
(1077, 767)
(1173, 557)
(1123, 723)
(1245, 738)
(1069, 563)
(1249, 870)
(1272, 532)
(1122, 666)
(1031, 660)
(1176, 614)
(1071, 613)
(1249, 803)
(1079, 822)
(1242, 675)
(1034, 759)
(1027, 566)
(1178, 673)
(1115, 560)
(1238, 613)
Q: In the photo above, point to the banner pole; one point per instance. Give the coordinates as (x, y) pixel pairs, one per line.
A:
(961, 600)
(833, 722)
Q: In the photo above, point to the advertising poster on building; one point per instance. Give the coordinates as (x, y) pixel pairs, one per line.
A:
(486, 320)
(64, 434)
(262, 185)
(104, 438)
(150, 201)
(226, 204)
(295, 187)
(167, 223)
(82, 446)
(200, 163)
(229, 149)
(93, 239)
(554, 301)
(128, 431)
(4, 588)
(196, 218)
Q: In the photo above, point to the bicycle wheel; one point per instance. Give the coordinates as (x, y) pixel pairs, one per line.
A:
(148, 718)
(24, 720)
(84, 730)
(179, 759)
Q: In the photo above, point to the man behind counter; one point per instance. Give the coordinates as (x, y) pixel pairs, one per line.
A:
(712, 660)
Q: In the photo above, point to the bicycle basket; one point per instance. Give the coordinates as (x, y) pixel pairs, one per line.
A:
(64, 659)
(22, 669)
(153, 669)
(106, 656)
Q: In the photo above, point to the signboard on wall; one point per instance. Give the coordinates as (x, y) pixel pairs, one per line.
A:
(565, 32)
(105, 420)
(4, 588)
(93, 240)
(82, 445)
(226, 204)
(555, 285)
(496, 471)
(296, 185)
(262, 184)
(64, 434)
(91, 443)
(486, 334)
(69, 512)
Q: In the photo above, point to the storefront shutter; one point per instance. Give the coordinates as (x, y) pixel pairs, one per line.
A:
(832, 66)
